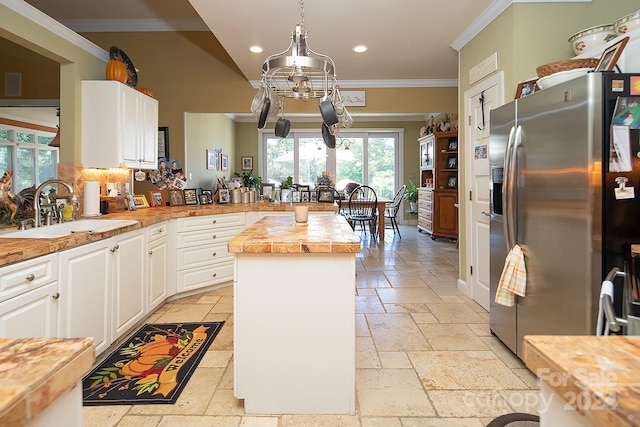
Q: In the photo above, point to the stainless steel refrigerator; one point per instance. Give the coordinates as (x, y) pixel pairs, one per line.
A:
(552, 181)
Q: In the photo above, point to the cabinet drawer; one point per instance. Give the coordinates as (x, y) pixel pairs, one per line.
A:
(195, 278)
(207, 237)
(27, 275)
(211, 222)
(203, 255)
(428, 206)
(426, 195)
(157, 231)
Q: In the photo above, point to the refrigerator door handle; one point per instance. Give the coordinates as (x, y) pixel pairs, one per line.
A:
(506, 193)
(512, 219)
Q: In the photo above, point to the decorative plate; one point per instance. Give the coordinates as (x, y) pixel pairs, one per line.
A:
(119, 55)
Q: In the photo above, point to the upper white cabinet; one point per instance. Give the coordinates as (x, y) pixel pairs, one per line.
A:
(119, 126)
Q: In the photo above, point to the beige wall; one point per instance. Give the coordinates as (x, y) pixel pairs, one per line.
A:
(525, 36)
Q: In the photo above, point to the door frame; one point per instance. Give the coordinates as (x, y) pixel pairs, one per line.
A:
(497, 79)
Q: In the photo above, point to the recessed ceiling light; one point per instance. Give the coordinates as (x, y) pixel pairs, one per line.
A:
(255, 49)
(360, 48)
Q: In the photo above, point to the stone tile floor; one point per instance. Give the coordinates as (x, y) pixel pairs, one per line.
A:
(424, 353)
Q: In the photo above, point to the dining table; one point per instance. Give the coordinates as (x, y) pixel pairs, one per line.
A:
(380, 207)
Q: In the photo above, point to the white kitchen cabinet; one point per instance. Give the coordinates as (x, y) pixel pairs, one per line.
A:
(119, 126)
(202, 256)
(85, 293)
(157, 264)
(28, 298)
(128, 272)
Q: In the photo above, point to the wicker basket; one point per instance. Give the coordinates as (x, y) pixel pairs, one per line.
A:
(570, 64)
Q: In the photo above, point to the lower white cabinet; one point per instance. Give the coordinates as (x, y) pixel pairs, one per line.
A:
(202, 256)
(157, 264)
(29, 298)
(102, 288)
(85, 293)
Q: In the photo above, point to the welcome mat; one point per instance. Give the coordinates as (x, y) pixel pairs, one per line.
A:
(152, 366)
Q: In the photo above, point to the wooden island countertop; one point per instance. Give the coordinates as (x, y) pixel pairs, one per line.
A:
(598, 376)
(278, 234)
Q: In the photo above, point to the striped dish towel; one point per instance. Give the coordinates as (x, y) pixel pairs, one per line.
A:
(513, 280)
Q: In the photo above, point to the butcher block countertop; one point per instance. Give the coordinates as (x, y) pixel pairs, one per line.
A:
(600, 374)
(273, 234)
(16, 250)
(36, 371)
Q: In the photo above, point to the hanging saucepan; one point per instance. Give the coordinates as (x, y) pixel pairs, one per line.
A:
(264, 112)
(328, 113)
(329, 140)
(282, 127)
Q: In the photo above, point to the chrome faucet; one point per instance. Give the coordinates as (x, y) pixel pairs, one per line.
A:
(36, 198)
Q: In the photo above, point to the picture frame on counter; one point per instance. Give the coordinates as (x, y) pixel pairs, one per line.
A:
(140, 201)
(157, 198)
(223, 195)
(295, 196)
(305, 196)
(206, 198)
(190, 196)
(610, 56)
(325, 195)
(247, 163)
(313, 197)
(176, 198)
(266, 189)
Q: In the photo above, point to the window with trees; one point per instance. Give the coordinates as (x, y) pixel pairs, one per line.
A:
(365, 157)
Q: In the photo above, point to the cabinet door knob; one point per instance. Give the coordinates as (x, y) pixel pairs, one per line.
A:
(215, 253)
(214, 236)
(214, 221)
(56, 295)
(160, 230)
(215, 274)
(30, 277)
(115, 248)
(150, 252)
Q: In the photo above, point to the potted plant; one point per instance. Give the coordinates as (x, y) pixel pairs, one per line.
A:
(249, 180)
(411, 196)
(285, 189)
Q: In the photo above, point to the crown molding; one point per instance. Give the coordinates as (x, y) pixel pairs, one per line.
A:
(45, 21)
(371, 84)
(134, 25)
(491, 13)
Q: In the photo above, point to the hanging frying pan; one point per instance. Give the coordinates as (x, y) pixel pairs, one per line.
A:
(282, 127)
(328, 113)
(329, 140)
(264, 112)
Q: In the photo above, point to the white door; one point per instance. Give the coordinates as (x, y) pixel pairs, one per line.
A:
(479, 101)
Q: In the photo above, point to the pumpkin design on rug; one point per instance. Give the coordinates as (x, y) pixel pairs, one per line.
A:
(152, 366)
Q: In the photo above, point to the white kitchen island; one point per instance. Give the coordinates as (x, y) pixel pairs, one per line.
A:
(294, 316)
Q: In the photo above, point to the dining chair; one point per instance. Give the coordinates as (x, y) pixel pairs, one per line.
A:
(363, 209)
(391, 209)
(338, 198)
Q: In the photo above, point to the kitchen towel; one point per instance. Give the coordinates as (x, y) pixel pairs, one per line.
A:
(602, 328)
(513, 280)
(91, 198)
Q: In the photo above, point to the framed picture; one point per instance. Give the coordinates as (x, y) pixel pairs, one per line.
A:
(325, 195)
(175, 198)
(295, 196)
(247, 163)
(452, 162)
(211, 159)
(305, 196)
(526, 87)
(163, 142)
(140, 201)
(190, 196)
(206, 198)
(224, 162)
(453, 145)
(157, 198)
(610, 56)
(266, 189)
(313, 196)
(302, 187)
(223, 195)
(452, 182)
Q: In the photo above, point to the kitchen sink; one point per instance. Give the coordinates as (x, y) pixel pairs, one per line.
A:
(68, 228)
